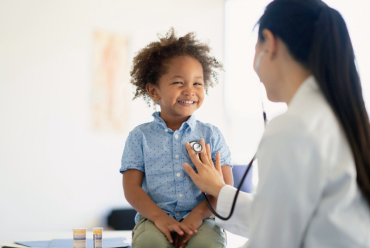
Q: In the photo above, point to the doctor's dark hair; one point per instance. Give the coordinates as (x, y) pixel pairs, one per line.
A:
(151, 62)
(317, 37)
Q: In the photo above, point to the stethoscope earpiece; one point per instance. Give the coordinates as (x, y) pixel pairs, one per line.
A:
(258, 62)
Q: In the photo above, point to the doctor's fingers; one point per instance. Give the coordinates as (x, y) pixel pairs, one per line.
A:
(218, 158)
(209, 154)
(204, 154)
(193, 156)
(190, 171)
(218, 162)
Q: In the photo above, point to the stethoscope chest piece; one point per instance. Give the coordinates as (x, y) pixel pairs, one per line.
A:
(196, 146)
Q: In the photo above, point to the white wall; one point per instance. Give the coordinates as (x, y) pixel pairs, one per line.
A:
(55, 172)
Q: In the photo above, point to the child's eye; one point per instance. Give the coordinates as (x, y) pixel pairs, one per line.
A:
(198, 84)
(177, 83)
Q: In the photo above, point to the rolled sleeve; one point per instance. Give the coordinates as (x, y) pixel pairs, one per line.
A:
(132, 157)
(219, 145)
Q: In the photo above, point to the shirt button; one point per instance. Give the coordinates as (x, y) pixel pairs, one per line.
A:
(177, 214)
(176, 136)
(181, 195)
(166, 130)
(176, 156)
(178, 174)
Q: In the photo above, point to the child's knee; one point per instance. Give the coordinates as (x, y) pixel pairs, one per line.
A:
(218, 241)
(209, 236)
(146, 235)
(149, 241)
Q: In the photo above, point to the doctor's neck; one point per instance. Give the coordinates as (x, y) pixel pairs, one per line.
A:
(293, 74)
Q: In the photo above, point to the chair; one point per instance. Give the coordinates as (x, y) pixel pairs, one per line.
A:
(122, 219)
(238, 172)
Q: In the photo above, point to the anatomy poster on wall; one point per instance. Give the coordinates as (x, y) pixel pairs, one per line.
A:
(110, 82)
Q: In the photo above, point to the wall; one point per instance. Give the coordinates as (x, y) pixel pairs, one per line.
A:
(56, 173)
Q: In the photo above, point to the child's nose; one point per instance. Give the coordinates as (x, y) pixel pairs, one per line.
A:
(188, 91)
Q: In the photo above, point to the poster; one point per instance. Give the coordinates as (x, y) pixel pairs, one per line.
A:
(110, 82)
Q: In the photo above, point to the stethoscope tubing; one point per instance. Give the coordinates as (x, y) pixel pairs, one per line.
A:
(235, 197)
(240, 184)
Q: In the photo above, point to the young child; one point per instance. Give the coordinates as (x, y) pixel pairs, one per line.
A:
(173, 73)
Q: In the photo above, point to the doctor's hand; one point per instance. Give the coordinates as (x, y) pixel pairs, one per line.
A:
(209, 178)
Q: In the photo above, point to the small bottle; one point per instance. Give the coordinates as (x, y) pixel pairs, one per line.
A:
(79, 238)
(98, 237)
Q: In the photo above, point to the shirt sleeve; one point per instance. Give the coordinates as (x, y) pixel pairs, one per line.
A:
(239, 223)
(219, 145)
(291, 177)
(133, 157)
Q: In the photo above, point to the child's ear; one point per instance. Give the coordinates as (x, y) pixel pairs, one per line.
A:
(152, 90)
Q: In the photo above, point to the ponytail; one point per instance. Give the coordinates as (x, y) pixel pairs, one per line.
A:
(332, 62)
(317, 37)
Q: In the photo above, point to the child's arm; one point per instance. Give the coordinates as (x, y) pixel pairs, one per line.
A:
(139, 199)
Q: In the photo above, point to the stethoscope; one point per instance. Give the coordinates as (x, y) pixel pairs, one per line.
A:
(198, 148)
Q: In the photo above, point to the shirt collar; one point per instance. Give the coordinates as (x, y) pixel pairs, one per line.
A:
(191, 122)
(310, 84)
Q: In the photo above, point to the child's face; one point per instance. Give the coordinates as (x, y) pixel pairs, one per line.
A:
(180, 91)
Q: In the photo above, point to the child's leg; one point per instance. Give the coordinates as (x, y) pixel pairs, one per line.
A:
(208, 236)
(147, 235)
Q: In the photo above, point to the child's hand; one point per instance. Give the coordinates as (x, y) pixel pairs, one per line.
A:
(166, 225)
(193, 222)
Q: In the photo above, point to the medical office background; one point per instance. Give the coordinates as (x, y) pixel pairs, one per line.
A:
(62, 132)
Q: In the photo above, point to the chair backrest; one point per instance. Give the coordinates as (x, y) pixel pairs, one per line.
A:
(122, 219)
(238, 172)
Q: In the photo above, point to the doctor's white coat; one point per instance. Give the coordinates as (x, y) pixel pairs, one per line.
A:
(307, 195)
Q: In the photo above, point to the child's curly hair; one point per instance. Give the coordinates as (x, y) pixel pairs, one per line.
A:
(150, 62)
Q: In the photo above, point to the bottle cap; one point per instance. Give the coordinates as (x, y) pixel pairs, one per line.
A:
(97, 229)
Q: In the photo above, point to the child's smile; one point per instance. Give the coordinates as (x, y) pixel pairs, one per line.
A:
(187, 102)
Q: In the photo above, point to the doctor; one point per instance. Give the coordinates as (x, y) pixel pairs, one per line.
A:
(314, 160)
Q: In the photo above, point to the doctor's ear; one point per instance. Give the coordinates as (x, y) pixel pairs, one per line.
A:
(270, 43)
(152, 90)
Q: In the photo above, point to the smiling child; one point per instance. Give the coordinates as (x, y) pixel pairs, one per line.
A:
(173, 73)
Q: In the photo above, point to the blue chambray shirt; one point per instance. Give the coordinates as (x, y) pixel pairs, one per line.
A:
(159, 152)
